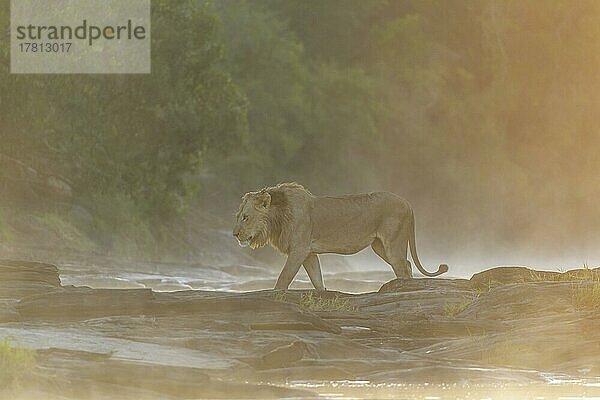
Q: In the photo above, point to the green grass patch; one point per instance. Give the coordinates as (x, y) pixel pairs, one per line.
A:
(311, 302)
(280, 296)
(15, 364)
(585, 273)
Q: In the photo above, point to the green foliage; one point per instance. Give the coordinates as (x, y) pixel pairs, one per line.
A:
(139, 136)
(334, 31)
(308, 120)
(431, 99)
(123, 227)
(265, 60)
(15, 364)
(405, 49)
(60, 227)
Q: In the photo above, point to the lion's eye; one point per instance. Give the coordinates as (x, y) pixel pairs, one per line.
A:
(244, 217)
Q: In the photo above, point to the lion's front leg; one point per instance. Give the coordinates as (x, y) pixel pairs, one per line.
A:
(313, 268)
(290, 269)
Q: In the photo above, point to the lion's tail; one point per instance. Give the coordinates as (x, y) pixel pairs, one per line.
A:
(413, 251)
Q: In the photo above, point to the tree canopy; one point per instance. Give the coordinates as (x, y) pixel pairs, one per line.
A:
(480, 105)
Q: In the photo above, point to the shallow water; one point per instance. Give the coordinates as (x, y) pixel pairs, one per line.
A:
(241, 278)
(347, 390)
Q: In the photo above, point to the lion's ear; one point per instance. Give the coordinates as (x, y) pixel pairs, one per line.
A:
(262, 200)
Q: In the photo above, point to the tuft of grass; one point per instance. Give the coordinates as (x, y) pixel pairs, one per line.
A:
(506, 353)
(545, 276)
(485, 288)
(280, 296)
(311, 302)
(451, 310)
(15, 364)
(586, 295)
(481, 291)
(585, 274)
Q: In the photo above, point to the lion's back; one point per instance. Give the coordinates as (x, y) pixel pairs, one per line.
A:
(362, 204)
(346, 224)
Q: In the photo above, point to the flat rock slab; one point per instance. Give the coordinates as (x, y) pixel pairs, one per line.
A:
(20, 279)
(80, 340)
(505, 326)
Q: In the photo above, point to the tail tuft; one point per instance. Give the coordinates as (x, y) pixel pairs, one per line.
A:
(443, 268)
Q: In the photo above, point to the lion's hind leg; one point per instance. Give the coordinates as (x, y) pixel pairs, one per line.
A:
(394, 253)
(378, 248)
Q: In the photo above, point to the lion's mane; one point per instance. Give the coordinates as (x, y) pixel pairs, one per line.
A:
(275, 225)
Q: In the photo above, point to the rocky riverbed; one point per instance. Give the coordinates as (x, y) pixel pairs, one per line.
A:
(504, 333)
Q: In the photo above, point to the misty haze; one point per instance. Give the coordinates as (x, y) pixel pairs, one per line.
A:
(124, 199)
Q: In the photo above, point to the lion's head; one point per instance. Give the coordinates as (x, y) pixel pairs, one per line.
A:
(266, 216)
(252, 219)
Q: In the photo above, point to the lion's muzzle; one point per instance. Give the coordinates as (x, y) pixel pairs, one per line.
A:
(244, 242)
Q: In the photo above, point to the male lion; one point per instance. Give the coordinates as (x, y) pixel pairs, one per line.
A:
(302, 225)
